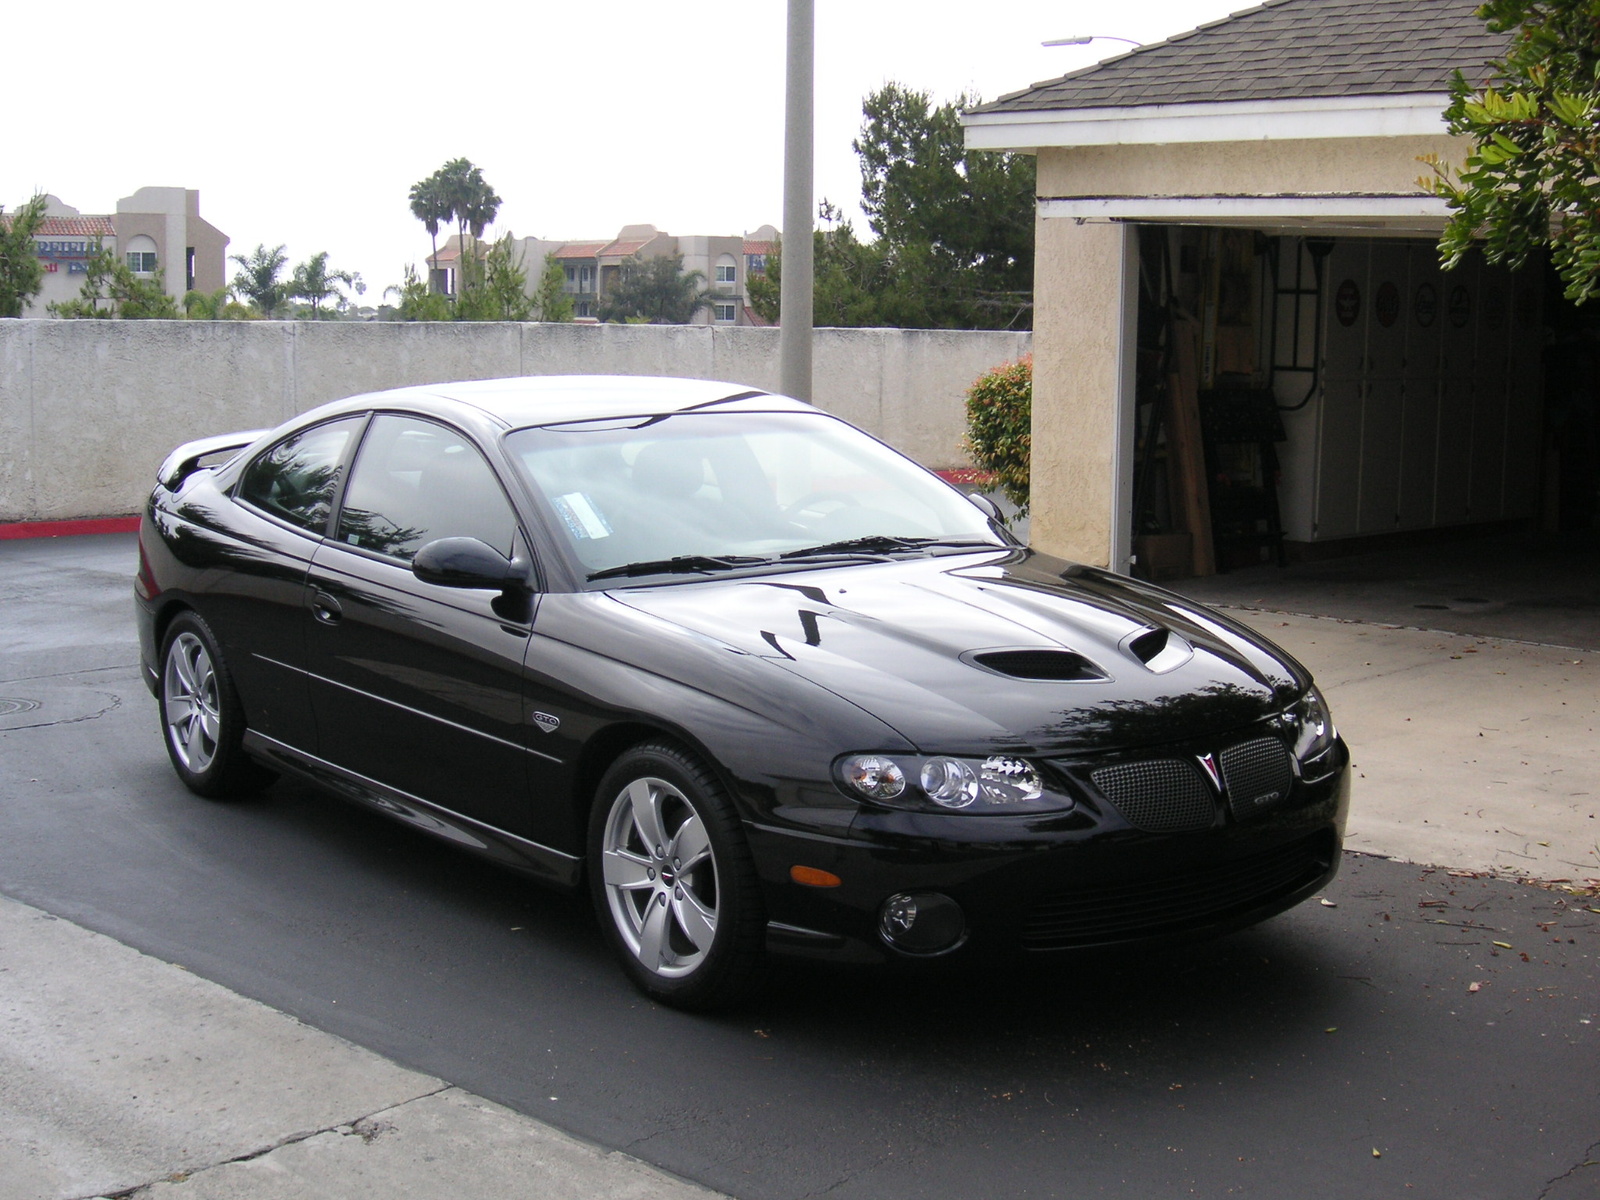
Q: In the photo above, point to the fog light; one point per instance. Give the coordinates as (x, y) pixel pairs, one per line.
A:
(921, 922)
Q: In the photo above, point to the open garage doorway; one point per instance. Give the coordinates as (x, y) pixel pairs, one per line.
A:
(1325, 422)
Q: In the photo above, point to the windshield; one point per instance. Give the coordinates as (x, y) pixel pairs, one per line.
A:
(696, 492)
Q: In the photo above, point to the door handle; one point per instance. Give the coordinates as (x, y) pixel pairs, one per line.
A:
(325, 608)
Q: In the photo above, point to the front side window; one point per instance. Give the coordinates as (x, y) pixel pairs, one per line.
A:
(727, 273)
(414, 482)
(725, 312)
(295, 479)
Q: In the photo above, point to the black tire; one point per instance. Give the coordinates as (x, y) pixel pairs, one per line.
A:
(202, 721)
(681, 909)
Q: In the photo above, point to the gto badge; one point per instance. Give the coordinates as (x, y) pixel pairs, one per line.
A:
(1210, 764)
(546, 722)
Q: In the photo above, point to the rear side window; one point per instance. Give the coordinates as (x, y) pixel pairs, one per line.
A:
(415, 481)
(295, 479)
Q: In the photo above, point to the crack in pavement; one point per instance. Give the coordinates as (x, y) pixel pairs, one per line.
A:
(349, 1128)
(1590, 1159)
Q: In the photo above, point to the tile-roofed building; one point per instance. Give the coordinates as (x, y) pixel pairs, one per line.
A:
(581, 249)
(80, 227)
(1283, 49)
(590, 268)
(158, 231)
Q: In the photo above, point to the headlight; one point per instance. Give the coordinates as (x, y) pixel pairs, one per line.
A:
(998, 784)
(1313, 725)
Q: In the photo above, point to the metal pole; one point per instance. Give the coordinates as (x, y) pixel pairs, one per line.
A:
(794, 334)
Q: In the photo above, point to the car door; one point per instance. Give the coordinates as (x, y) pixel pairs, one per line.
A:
(418, 686)
(255, 598)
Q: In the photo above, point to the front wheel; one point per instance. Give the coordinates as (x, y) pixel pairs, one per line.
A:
(202, 722)
(672, 880)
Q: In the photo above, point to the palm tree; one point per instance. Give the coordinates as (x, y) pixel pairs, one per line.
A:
(314, 282)
(258, 280)
(429, 206)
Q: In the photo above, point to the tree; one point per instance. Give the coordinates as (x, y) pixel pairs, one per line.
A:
(258, 278)
(111, 289)
(551, 302)
(455, 192)
(852, 281)
(1532, 177)
(21, 272)
(654, 291)
(429, 206)
(957, 225)
(953, 229)
(418, 301)
(494, 288)
(219, 305)
(313, 282)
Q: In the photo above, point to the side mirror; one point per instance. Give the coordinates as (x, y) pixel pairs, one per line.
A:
(987, 507)
(463, 562)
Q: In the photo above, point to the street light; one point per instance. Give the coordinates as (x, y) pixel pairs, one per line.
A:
(1085, 39)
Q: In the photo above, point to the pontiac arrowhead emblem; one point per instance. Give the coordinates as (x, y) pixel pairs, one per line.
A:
(1209, 762)
(546, 722)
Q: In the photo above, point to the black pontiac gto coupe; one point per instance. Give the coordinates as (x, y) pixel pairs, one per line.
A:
(756, 680)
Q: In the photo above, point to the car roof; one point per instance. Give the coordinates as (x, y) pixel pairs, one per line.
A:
(550, 399)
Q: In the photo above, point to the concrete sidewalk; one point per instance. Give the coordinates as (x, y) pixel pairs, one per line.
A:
(1469, 752)
(121, 1075)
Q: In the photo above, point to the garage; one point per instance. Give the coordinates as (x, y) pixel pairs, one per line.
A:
(1248, 361)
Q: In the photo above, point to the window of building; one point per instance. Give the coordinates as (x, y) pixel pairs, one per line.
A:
(586, 279)
(727, 273)
(189, 269)
(725, 312)
(141, 254)
(584, 309)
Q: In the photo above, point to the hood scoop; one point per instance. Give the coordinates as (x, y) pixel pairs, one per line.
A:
(1160, 650)
(1056, 666)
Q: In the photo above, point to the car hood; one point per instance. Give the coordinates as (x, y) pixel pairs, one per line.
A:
(946, 650)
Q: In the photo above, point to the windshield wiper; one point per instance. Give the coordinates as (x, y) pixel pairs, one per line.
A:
(683, 564)
(879, 543)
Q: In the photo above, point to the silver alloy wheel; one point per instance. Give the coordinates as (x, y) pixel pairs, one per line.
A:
(189, 702)
(660, 877)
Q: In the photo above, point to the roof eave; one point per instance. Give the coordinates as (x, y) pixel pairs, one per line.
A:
(1288, 119)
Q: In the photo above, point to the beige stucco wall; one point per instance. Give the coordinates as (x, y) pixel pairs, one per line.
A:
(1077, 306)
(88, 409)
(1260, 168)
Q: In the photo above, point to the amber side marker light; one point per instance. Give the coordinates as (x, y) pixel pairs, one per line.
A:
(814, 877)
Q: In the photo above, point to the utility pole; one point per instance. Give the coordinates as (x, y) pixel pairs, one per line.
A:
(794, 322)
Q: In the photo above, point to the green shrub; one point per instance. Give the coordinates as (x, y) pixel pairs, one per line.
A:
(1000, 426)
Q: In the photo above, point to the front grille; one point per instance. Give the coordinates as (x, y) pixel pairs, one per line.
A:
(1203, 895)
(1161, 795)
(1258, 776)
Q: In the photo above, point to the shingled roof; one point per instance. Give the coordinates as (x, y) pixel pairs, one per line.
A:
(1285, 49)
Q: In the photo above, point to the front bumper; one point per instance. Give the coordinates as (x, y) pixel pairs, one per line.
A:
(1065, 882)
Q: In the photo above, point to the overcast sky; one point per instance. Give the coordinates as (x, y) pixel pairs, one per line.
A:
(306, 121)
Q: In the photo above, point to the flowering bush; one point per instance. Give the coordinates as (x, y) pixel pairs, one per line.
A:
(1000, 426)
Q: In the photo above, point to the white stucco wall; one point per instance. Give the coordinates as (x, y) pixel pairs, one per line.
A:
(88, 409)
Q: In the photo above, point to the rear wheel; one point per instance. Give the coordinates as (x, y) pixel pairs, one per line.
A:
(672, 880)
(202, 722)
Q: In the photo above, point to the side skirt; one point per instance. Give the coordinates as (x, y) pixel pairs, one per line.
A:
(548, 865)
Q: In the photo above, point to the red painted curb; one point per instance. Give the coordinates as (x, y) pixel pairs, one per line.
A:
(965, 475)
(49, 529)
